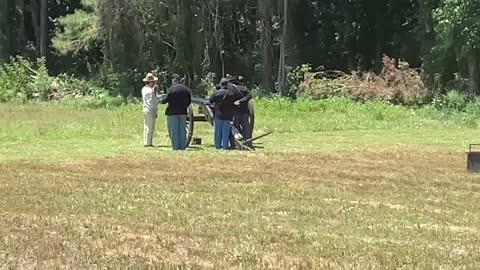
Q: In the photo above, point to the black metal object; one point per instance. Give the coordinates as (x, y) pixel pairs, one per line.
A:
(197, 141)
(473, 158)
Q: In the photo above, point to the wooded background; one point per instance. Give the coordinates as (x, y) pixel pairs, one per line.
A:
(200, 37)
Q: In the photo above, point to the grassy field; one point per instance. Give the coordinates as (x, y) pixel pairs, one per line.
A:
(338, 185)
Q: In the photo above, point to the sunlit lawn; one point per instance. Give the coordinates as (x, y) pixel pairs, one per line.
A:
(344, 188)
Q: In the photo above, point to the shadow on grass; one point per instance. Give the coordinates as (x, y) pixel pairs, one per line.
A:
(195, 148)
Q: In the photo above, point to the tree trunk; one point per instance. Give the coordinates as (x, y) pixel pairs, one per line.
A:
(282, 69)
(292, 49)
(183, 38)
(265, 13)
(198, 43)
(474, 74)
(34, 11)
(4, 31)
(18, 35)
(186, 7)
(44, 28)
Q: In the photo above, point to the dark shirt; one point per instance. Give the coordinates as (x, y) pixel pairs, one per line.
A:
(224, 100)
(179, 98)
(245, 97)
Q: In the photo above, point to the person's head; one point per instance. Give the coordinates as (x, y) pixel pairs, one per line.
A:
(176, 79)
(241, 80)
(234, 80)
(224, 82)
(150, 80)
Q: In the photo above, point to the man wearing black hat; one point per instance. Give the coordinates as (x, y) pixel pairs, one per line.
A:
(242, 118)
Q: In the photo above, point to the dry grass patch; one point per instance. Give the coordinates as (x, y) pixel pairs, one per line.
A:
(342, 210)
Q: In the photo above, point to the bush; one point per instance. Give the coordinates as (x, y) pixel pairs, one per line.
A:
(454, 105)
(16, 80)
(94, 102)
(68, 86)
(42, 82)
(22, 80)
(109, 80)
(397, 83)
(454, 100)
(296, 75)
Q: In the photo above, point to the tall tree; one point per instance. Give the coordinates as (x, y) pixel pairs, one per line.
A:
(44, 33)
(266, 12)
(4, 30)
(457, 25)
(282, 70)
(19, 35)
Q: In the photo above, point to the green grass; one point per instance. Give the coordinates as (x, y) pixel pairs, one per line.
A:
(46, 131)
(338, 185)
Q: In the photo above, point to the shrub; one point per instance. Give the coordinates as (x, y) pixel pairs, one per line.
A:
(23, 80)
(109, 79)
(396, 83)
(93, 102)
(16, 80)
(68, 86)
(296, 75)
(42, 82)
(455, 101)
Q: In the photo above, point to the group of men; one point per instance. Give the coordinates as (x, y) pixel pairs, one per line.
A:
(231, 105)
(230, 100)
(178, 98)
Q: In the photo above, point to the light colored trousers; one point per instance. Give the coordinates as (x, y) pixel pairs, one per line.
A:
(150, 119)
(177, 128)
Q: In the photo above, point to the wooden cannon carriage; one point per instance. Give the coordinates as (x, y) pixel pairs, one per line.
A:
(206, 113)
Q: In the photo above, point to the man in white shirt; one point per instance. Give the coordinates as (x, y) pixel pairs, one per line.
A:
(150, 108)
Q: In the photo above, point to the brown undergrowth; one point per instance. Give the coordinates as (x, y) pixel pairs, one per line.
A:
(397, 83)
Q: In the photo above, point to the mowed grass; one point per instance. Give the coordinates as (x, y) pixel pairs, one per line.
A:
(338, 185)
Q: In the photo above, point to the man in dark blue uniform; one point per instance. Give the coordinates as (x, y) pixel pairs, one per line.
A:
(224, 100)
(242, 118)
(179, 98)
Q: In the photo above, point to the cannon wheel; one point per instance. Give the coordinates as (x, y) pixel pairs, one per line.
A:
(190, 125)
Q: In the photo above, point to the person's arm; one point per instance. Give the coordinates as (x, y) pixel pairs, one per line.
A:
(247, 96)
(189, 98)
(144, 99)
(166, 98)
(213, 98)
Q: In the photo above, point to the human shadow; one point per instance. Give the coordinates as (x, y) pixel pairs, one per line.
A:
(162, 146)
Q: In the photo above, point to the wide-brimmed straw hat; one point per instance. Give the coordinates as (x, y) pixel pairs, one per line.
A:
(150, 78)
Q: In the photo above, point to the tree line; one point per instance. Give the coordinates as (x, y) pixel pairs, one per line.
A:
(202, 37)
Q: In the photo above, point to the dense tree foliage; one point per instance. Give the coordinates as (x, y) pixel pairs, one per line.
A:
(201, 37)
